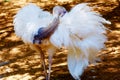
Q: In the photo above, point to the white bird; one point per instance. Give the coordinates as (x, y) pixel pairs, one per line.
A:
(81, 31)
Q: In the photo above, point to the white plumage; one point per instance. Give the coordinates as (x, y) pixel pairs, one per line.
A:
(80, 31)
(28, 20)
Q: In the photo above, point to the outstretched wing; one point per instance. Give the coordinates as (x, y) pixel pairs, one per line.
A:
(81, 31)
(29, 20)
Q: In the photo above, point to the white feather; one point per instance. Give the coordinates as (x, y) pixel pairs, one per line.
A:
(28, 21)
(81, 31)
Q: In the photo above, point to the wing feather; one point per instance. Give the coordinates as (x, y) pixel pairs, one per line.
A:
(81, 22)
(81, 31)
(28, 20)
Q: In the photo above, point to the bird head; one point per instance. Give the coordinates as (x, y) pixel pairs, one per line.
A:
(59, 11)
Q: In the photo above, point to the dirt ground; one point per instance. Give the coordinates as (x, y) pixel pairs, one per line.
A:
(19, 62)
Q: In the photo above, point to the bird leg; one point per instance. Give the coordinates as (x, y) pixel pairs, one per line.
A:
(39, 50)
(43, 63)
(51, 52)
(50, 63)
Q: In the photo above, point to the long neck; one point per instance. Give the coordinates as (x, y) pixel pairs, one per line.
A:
(52, 26)
(46, 32)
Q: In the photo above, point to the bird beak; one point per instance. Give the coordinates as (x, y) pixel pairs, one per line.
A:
(63, 13)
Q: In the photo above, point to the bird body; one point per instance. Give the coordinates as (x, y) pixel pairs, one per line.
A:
(80, 31)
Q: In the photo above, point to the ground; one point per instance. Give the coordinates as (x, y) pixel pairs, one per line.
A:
(19, 62)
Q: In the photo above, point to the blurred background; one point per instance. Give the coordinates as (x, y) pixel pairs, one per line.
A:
(19, 62)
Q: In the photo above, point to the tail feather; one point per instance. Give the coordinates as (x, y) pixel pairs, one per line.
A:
(77, 62)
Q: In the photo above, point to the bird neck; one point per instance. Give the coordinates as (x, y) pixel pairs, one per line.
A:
(53, 25)
(46, 32)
